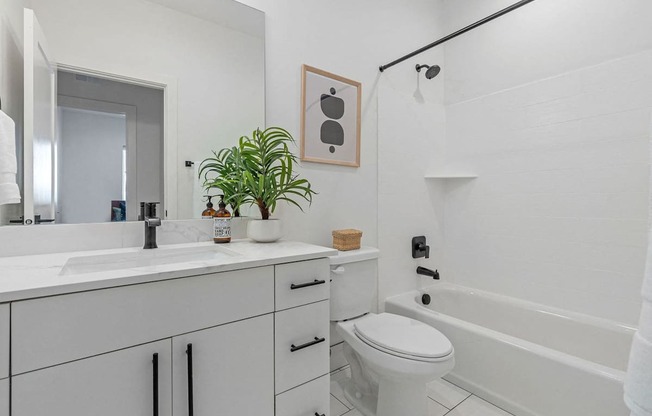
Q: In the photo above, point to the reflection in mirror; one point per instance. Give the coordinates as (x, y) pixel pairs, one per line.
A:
(204, 62)
(109, 148)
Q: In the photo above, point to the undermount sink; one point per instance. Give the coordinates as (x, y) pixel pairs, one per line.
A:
(144, 258)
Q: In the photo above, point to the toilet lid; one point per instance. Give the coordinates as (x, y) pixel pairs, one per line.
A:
(404, 336)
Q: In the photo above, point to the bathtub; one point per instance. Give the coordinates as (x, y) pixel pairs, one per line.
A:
(529, 359)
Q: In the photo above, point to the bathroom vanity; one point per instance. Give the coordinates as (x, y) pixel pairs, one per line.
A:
(242, 330)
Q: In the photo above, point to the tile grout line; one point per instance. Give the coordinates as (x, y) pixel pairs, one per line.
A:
(343, 404)
(497, 407)
(454, 407)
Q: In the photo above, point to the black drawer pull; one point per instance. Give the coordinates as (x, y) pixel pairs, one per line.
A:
(317, 414)
(316, 341)
(155, 374)
(190, 388)
(302, 285)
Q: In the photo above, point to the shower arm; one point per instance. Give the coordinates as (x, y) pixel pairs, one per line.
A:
(456, 34)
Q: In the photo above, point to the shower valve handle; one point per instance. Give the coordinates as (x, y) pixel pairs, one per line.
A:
(420, 248)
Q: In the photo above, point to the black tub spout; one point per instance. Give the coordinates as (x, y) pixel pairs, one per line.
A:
(427, 272)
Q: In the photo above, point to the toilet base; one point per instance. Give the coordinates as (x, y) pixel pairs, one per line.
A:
(395, 397)
(365, 404)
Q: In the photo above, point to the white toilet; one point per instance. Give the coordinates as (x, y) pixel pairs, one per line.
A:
(392, 357)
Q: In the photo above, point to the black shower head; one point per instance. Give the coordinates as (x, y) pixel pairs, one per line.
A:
(432, 71)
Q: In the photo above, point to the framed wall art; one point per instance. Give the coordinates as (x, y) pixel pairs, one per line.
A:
(330, 118)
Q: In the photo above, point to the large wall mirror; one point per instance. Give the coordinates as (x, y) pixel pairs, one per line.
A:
(124, 98)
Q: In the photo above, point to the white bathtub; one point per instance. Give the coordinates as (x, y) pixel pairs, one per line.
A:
(530, 359)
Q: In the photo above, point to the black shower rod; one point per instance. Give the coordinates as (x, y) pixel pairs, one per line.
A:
(459, 32)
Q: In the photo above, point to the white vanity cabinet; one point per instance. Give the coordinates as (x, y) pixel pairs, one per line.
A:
(118, 383)
(252, 341)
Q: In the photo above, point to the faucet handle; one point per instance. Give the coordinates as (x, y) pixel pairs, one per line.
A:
(420, 248)
(150, 209)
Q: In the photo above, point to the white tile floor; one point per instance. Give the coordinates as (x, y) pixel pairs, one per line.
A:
(446, 399)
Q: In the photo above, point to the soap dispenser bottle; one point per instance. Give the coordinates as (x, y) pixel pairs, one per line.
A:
(209, 212)
(222, 223)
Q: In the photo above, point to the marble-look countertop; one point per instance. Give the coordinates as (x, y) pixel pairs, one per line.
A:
(27, 277)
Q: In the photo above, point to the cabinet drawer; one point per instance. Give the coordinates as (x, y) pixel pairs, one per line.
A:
(63, 328)
(301, 283)
(4, 397)
(4, 341)
(306, 400)
(300, 357)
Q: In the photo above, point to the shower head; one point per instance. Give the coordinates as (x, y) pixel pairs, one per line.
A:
(432, 71)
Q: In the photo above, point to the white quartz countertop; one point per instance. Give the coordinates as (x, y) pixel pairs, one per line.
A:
(27, 277)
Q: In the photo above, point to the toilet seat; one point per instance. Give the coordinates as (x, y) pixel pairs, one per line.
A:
(403, 337)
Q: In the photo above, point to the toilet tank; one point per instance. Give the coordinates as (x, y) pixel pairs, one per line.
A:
(354, 275)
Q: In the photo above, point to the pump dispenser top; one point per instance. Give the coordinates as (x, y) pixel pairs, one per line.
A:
(209, 212)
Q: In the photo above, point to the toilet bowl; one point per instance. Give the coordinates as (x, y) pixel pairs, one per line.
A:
(392, 357)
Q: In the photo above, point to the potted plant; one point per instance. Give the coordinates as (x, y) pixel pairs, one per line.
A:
(218, 173)
(261, 173)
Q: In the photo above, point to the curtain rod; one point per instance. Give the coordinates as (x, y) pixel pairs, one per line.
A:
(457, 33)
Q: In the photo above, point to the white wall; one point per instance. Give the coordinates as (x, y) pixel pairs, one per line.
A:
(350, 39)
(11, 83)
(218, 70)
(92, 144)
(551, 107)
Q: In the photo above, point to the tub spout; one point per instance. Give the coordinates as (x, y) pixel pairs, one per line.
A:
(428, 272)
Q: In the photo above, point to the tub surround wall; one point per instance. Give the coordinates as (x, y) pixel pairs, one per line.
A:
(538, 41)
(556, 125)
(411, 145)
(558, 214)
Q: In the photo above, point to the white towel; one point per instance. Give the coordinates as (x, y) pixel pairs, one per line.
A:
(9, 193)
(638, 383)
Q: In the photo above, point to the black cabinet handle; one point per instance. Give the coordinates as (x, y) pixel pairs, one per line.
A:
(190, 389)
(317, 414)
(155, 373)
(316, 341)
(302, 285)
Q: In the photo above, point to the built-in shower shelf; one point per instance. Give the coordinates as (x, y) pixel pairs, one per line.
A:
(450, 176)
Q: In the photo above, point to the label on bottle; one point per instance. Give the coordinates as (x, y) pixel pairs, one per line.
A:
(222, 227)
(206, 217)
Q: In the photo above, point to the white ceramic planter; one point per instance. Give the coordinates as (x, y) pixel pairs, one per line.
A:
(265, 231)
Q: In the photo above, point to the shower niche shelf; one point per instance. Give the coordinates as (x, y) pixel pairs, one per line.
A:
(450, 176)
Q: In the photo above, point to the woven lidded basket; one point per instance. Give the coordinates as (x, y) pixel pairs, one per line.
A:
(349, 239)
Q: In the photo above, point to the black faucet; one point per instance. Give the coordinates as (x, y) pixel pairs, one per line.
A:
(428, 272)
(148, 214)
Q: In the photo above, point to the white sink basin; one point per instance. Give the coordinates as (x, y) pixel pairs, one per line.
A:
(144, 258)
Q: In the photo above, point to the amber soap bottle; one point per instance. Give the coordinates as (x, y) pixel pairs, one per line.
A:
(209, 212)
(222, 223)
